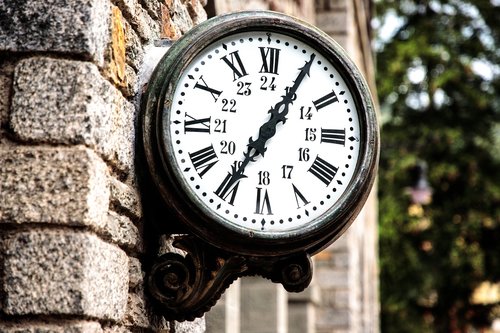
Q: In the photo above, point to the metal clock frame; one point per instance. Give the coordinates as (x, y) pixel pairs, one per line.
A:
(282, 257)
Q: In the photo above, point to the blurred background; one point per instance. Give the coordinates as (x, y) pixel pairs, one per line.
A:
(438, 79)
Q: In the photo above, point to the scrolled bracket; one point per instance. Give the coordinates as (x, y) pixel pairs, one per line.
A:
(185, 287)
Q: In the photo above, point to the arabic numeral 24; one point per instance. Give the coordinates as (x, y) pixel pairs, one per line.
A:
(265, 85)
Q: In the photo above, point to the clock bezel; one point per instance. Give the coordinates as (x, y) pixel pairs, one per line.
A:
(185, 204)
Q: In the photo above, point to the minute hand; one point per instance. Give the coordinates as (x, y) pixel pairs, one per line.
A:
(279, 112)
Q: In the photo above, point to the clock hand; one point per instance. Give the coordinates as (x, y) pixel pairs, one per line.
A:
(266, 131)
(278, 112)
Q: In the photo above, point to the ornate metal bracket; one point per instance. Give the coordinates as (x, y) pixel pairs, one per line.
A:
(185, 287)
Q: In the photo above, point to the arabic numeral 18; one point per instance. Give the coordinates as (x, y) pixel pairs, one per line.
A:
(264, 178)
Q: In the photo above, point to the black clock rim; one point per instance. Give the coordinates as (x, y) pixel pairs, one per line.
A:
(200, 220)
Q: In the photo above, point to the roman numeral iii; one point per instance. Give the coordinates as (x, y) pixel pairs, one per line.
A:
(336, 136)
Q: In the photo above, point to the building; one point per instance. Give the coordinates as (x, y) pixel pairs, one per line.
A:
(72, 246)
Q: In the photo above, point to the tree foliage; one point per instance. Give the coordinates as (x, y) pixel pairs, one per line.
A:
(438, 78)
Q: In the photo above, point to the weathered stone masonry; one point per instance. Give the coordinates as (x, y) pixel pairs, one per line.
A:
(71, 246)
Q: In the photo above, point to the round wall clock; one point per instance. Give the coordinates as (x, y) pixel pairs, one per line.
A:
(260, 134)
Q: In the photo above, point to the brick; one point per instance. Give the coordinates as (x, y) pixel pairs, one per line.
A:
(74, 27)
(63, 272)
(58, 185)
(68, 102)
(59, 327)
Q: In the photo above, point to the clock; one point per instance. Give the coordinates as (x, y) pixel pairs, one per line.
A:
(260, 134)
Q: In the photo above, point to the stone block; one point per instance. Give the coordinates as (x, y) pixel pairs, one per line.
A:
(120, 230)
(328, 278)
(195, 326)
(42, 327)
(7, 64)
(74, 27)
(332, 22)
(145, 26)
(140, 315)
(68, 102)
(135, 273)
(58, 185)
(63, 272)
(333, 319)
(125, 199)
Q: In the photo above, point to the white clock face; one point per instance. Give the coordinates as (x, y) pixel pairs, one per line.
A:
(264, 132)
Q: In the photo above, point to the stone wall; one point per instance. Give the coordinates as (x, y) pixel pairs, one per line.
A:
(71, 222)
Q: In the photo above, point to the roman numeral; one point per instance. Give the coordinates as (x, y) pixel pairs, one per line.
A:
(262, 202)
(227, 188)
(298, 196)
(270, 60)
(336, 136)
(325, 100)
(197, 125)
(201, 84)
(323, 170)
(236, 65)
(204, 159)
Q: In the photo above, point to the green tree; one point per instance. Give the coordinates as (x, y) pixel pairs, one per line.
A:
(438, 78)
